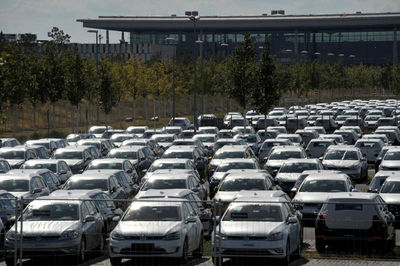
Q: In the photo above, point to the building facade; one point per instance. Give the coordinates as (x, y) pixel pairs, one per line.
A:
(352, 38)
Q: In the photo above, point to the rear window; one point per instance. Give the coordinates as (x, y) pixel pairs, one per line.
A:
(348, 207)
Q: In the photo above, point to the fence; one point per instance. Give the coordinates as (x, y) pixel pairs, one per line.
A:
(264, 229)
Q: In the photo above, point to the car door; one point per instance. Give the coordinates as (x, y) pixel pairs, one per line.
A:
(191, 227)
(88, 227)
(293, 228)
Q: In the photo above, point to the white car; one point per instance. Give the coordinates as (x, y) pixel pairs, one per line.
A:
(256, 227)
(370, 148)
(157, 229)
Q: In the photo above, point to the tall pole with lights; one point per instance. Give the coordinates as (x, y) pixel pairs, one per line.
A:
(97, 67)
(172, 40)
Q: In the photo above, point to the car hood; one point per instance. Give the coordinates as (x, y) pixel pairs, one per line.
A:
(312, 197)
(15, 162)
(215, 163)
(208, 144)
(339, 163)
(155, 228)
(275, 163)
(391, 164)
(250, 228)
(48, 228)
(287, 176)
(225, 196)
(219, 175)
(390, 198)
(165, 145)
(98, 136)
(25, 194)
(72, 162)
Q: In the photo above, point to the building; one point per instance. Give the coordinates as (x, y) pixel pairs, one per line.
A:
(370, 38)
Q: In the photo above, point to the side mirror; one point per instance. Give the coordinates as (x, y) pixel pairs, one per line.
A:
(191, 219)
(363, 159)
(195, 189)
(37, 190)
(88, 219)
(293, 192)
(113, 189)
(291, 220)
(321, 158)
(116, 218)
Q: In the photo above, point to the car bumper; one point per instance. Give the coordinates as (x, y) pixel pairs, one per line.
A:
(250, 248)
(129, 248)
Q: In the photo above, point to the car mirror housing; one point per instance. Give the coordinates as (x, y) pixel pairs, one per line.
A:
(291, 220)
(88, 219)
(37, 190)
(116, 218)
(191, 219)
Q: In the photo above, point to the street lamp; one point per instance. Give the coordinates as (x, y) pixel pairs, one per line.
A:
(97, 66)
(200, 42)
(194, 18)
(228, 104)
(169, 39)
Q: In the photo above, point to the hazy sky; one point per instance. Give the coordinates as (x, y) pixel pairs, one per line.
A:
(39, 16)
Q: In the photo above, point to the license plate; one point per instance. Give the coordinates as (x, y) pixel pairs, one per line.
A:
(142, 247)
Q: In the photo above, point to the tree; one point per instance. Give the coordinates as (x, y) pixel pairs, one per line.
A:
(109, 92)
(265, 95)
(243, 72)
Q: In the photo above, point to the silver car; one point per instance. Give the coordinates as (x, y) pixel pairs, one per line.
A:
(391, 160)
(167, 228)
(390, 193)
(370, 148)
(317, 147)
(281, 154)
(268, 145)
(51, 226)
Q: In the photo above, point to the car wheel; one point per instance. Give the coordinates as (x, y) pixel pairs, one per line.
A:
(286, 260)
(297, 253)
(185, 251)
(198, 253)
(216, 261)
(82, 251)
(320, 245)
(115, 261)
(100, 247)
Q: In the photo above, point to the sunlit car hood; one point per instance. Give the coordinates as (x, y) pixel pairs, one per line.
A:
(215, 163)
(340, 163)
(390, 164)
(275, 163)
(312, 196)
(72, 162)
(98, 136)
(288, 176)
(25, 194)
(44, 228)
(219, 175)
(226, 196)
(250, 228)
(13, 162)
(148, 228)
(390, 198)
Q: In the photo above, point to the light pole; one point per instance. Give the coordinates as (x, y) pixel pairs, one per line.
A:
(331, 55)
(169, 39)
(317, 54)
(200, 42)
(194, 18)
(228, 104)
(97, 67)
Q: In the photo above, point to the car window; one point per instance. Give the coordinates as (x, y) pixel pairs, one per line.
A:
(100, 203)
(84, 211)
(186, 211)
(109, 202)
(91, 208)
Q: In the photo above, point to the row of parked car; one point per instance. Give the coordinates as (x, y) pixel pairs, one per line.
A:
(161, 192)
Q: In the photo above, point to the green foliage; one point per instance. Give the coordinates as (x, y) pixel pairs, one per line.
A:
(109, 91)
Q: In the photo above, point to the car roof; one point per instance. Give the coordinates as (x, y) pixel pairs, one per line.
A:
(302, 160)
(128, 148)
(76, 193)
(43, 161)
(395, 177)
(19, 176)
(259, 199)
(15, 148)
(181, 148)
(327, 176)
(170, 176)
(90, 175)
(287, 148)
(108, 160)
(233, 148)
(103, 171)
(245, 176)
(385, 173)
(238, 160)
(343, 147)
(171, 160)
(72, 148)
(28, 171)
(351, 196)
(176, 193)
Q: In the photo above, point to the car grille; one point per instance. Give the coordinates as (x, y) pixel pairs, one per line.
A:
(38, 238)
(142, 249)
(394, 209)
(246, 237)
(143, 237)
(246, 252)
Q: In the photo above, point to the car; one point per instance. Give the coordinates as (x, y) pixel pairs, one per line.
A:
(374, 226)
(295, 123)
(137, 130)
(371, 121)
(291, 170)
(164, 140)
(390, 192)
(190, 142)
(377, 181)
(17, 155)
(263, 123)
(52, 181)
(118, 138)
(316, 148)
(139, 156)
(354, 121)
(267, 134)
(391, 160)
(61, 226)
(350, 136)
(183, 122)
(148, 228)
(49, 144)
(280, 129)
(101, 200)
(102, 145)
(268, 145)
(176, 130)
(208, 141)
(98, 131)
(347, 159)
(114, 164)
(386, 121)
(229, 152)
(279, 155)
(380, 156)
(25, 185)
(104, 182)
(154, 151)
(73, 138)
(228, 133)
(207, 120)
(316, 189)
(40, 151)
(59, 167)
(77, 157)
(391, 134)
(307, 135)
(357, 129)
(224, 141)
(381, 137)
(164, 181)
(110, 132)
(319, 129)
(9, 142)
(8, 203)
(370, 148)
(244, 129)
(294, 138)
(189, 152)
(227, 165)
(209, 130)
(252, 227)
(4, 166)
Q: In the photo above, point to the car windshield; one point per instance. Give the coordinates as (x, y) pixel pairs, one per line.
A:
(236, 165)
(220, 144)
(184, 143)
(392, 156)
(69, 155)
(86, 184)
(137, 130)
(323, 186)
(284, 155)
(238, 184)
(157, 166)
(296, 167)
(251, 139)
(164, 139)
(206, 139)
(51, 166)
(43, 211)
(391, 187)
(132, 155)
(229, 155)
(120, 138)
(178, 154)
(341, 155)
(14, 185)
(372, 118)
(254, 213)
(98, 130)
(164, 184)
(7, 201)
(105, 166)
(153, 213)
(12, 155)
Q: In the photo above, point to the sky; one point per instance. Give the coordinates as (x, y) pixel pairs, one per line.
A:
(39, 16)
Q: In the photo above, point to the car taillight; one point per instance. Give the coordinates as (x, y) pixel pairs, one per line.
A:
(261, 150)
(322, 216)
(307, 150)
(376, 218)
(369, 190)
(292, 194)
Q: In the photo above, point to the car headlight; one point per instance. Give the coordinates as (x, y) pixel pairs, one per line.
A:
(117, 235)
(69, 235)
(275, 236)
(172, 236)
(10, 235)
